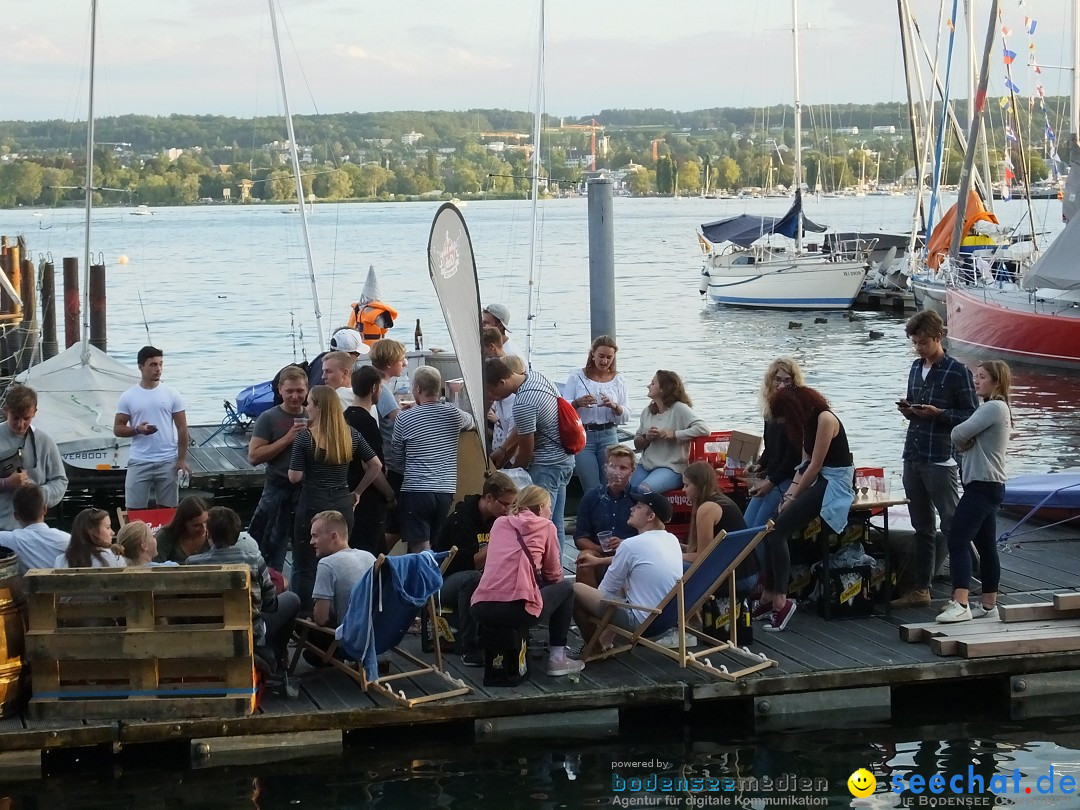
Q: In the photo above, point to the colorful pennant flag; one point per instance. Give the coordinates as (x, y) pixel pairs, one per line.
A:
(1010, 56)
(1006, 31)
(1010, 86)
(1050, 136)
(1009, 135)
(1004, 102)
(1030, 24)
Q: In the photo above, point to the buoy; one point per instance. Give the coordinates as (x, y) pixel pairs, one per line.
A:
(821, 320)
(122, 260)
(875, 335)
(794, 325)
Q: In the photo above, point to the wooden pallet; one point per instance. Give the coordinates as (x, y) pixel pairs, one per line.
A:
(1038, 627)
(163, 642)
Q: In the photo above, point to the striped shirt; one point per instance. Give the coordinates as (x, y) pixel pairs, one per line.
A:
(948, 385)
(425, 446)
(311, 462)
(536, 411)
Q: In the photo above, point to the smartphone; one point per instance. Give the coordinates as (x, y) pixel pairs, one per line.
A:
(918, 407)
(903, 403)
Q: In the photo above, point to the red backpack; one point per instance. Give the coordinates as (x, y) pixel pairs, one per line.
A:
(571, 431)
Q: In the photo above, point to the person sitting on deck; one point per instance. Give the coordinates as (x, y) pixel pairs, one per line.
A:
(605, 508)
(272, 614)
(468, 528)
(644, 570)
(138, 544)
(340, 567)
(35, 544)
(91, 544)
(185, 534)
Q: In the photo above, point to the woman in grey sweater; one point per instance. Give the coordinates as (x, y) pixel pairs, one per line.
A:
(982, 440)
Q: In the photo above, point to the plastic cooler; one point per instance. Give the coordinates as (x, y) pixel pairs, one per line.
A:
(713, 449)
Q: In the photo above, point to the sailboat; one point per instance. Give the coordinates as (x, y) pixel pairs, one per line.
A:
(744, 268)
(78, 388)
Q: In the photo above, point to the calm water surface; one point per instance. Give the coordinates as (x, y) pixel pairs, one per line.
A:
(589, 772)
(224, 291)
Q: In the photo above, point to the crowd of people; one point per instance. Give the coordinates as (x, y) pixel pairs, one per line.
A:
(351, 468)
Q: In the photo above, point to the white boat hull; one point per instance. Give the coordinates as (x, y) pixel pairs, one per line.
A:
(794, 285)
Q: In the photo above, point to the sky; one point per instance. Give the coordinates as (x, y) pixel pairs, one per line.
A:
(216, 56)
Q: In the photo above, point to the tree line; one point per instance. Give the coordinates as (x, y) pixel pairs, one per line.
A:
(362, 156)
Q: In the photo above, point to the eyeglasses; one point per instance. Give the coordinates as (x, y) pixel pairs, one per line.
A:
(778, 380)
(507, 504)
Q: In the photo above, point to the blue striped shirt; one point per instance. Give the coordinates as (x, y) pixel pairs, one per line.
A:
(536, 411)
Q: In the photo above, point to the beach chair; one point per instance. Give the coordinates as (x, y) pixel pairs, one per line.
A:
(392, 612)
(716, 563)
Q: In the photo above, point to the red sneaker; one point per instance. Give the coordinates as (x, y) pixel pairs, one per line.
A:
(760, 610)
(780, 618)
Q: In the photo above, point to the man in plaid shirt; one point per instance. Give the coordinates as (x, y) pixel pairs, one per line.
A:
(940, 395)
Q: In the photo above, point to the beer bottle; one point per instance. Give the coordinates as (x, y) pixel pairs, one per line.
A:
(418, 335)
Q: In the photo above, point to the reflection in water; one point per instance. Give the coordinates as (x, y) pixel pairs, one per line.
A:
(575, 773)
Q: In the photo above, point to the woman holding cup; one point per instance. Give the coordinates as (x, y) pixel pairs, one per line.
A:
(599, 395)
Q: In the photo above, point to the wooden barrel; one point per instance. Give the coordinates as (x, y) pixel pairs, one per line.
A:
(11, 634)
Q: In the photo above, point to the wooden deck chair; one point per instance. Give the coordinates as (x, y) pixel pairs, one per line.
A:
(714, 564)
(391, 617)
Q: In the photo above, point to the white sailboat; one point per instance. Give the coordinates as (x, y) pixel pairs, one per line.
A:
(744, 267)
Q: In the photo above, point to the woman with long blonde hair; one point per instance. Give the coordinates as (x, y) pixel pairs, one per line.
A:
(321, 454)
(981, 439)
(780, 457)
(522, 583)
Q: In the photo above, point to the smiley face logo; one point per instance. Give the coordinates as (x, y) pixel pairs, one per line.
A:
(861, 783)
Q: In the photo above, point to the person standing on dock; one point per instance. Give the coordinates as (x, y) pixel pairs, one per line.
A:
(337, 373)
(539, 446)
(271, 444)
(599, 394)
(27, 456)
(498, 315)
(940, 395)
(425, 448)
(152, 415)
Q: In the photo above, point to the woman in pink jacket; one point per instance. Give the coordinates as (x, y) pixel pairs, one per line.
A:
(523, 549)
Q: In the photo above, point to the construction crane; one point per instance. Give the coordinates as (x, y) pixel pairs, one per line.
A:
(592, 127)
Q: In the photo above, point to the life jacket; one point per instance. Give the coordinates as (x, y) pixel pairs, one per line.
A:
(373, 319)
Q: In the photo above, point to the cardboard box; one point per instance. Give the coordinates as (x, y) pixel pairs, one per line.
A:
(743, 446)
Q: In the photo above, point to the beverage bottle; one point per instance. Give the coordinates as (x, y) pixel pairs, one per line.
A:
(418, 335)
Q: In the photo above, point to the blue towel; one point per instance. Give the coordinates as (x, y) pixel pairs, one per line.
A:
(356, 632)
(839, 496)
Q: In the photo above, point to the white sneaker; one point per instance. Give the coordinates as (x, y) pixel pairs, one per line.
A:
(564, 665)
(980, 612)
(670, 639)
(954, 612)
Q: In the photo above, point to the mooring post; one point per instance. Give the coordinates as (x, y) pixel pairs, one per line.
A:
(97, 307)
(28, 333)
(71, 301)
(601, 258)
(12, 265)
(48, 311)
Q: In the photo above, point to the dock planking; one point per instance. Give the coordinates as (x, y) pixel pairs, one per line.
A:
(812, 656)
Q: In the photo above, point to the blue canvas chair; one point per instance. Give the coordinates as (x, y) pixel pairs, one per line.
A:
(716, 563)
(383, 605)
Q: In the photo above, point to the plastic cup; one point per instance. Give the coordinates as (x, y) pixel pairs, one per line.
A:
(300, 420)
(604, 539)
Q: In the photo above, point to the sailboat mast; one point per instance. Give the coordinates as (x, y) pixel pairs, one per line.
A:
(85, 356)
(539, 115)
(798, 119)
(1074, 106)
(296, 175)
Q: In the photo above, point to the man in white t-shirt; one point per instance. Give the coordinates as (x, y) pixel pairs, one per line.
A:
(643, 571)
(152, 415)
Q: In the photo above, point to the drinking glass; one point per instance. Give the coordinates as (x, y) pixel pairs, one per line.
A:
(860, 486)
(604, 539)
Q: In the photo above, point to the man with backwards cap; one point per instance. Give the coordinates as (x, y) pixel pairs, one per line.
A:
(498, 316)
(643, 571)
(343, 340)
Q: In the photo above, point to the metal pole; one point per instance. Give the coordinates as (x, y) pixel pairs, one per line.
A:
(798, 119)
(296, 173)
(48, 310)
(535, 190)
(89, 196)
(601, 257)
(98, 336)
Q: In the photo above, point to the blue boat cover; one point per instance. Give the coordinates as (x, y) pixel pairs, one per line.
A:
(255, 399)
(1060, 490)
(745, 229)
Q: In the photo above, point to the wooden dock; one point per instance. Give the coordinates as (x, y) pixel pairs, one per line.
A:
(829, 674)
(898, 302)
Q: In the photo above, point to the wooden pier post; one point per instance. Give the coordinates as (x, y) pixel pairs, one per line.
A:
(48, 311)
(71, 301)
(28, 332)
(98, 338)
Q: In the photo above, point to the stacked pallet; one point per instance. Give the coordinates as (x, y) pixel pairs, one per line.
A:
(1038, 627)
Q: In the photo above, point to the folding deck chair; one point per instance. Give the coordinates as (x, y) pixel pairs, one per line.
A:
(391, 616)
(715, 564)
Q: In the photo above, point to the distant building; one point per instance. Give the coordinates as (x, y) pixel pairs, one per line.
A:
(885, 130)
(846, 130)
(173, 154)
(409, 138)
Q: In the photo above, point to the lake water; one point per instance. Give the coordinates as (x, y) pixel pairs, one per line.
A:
(224, 291)
(598, 771)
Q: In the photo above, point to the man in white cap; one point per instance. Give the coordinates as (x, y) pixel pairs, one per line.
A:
(343, 340)
(498, 316)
